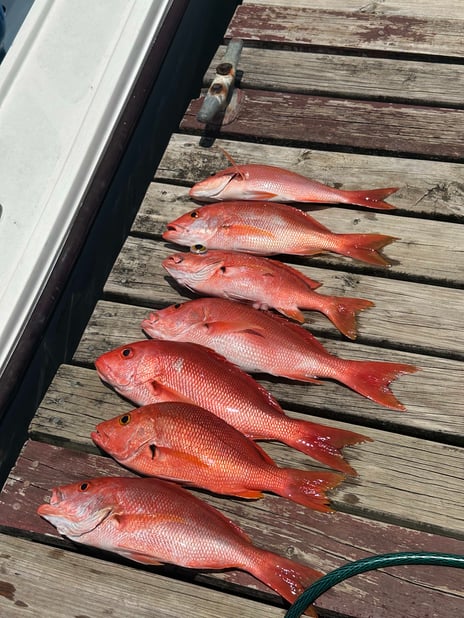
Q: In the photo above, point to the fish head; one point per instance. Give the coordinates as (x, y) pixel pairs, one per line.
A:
(79, 508)
(129, 367)
(195, 227)
(174, 321)
(126, 435)
(241, 182)
(214, 187)
(191, 268)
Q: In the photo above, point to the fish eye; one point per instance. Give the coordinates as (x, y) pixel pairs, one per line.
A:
(124, 419)
(198, 249)
(194, 214)
(127, 352)
(83, 486)
(177, 306)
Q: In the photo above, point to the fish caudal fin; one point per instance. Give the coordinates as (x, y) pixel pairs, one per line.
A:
(372, 379)
(371, 198)
(324, 443)
(287, 577)
(342, 313)
(308, 488)
(365, 247)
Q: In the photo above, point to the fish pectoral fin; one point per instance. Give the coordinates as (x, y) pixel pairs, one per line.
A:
(218, 328)
(179, 457)
(263, 195)
(251, 230)
(138, 556)
(163, 393)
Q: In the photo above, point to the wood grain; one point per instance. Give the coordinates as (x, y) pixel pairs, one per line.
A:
(430, 411)
(429, 253)
(352, 77)
(405, 313)
(30, 571)
(418, 8)
(427, 188)
(322, 541)
(348, 30)
(390, 469)
(373, 126)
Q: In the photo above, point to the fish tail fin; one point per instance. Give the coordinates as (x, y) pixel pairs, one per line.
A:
(372, 379)
(287, 577)
(342, 313)
(324, 443)
(309, 488)
(371, 198)
(365, 247)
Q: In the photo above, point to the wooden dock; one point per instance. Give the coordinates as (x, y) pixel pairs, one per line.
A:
(356, 95)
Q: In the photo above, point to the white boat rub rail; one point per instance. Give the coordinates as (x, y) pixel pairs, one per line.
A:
(63, 85)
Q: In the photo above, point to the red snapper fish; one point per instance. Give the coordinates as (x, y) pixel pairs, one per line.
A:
(153, 521)
(263, 282)
(182, 442)
(267, 229)
(153, 371)
(271, 183)
(262, 342)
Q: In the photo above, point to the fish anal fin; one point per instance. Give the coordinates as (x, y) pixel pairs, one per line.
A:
(293, 313)
(248, 494)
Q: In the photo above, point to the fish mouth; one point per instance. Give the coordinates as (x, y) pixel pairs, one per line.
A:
(152, 319)
(173, 230)
(106, 373)
(49, 508)
(99, 437)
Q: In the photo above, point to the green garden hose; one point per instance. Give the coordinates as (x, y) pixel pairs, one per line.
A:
(369, 564)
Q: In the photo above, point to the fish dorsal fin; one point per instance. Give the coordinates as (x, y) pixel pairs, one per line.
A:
(309, 282)
(267, 458)
(316, 224)
(233, 163)
(303, 333)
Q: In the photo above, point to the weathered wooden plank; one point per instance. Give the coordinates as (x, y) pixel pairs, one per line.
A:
(47, 582)
(429, 188)
(406, 314)
(348, 30)
(436, 132)
(418, 8)
(433, 410)
(353, 77)
(424, 250)
(391, 469)
(323, 541)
